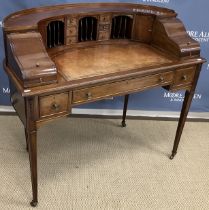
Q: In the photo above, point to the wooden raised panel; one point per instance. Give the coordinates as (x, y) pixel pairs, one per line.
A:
(143, 28)
(117, 88)
(53, 104)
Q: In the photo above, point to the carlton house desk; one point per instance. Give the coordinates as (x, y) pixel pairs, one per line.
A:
(60, 56)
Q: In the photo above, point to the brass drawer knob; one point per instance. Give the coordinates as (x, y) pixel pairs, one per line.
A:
(55, 107)
(161, 79)
(89, 95)
(184, 77)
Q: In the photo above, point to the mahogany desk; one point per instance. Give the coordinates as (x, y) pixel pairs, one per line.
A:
(61, 56)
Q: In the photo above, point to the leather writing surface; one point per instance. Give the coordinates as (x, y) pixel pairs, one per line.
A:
(105, 59)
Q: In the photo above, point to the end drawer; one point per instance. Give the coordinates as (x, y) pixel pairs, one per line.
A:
(183, 78)
(53, 104)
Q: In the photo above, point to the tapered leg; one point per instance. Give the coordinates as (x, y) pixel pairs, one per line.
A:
(125, 110)
(26, 139)
(31, 136)
(32, 145)
(185, 109)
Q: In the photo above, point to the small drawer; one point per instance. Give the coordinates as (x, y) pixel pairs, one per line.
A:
(70, 40)
(184, 76)
(104, 35)
(121, 87)
(71, 31)
(71, 21)
(53, 104)
(104, 27)
(104, 18)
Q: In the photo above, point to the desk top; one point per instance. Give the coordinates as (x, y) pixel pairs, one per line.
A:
(107, 59)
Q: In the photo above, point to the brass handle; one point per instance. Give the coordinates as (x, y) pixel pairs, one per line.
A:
(184, 77)
(161, 79)
(55, 106)
(89, 95)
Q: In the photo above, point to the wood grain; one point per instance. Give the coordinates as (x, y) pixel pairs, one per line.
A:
(106, 59)
(120, 88)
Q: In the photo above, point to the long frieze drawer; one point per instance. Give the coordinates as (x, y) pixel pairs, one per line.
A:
(53, 104)
(184, 76)
(102, 91)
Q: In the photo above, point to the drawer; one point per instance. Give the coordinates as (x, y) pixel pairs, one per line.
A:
(104, 35)
(53, 104)
(122, 87)
(70, 40)
(71, 21)
(104, 27)
(184, 76)
(71, 31)
(104, 18)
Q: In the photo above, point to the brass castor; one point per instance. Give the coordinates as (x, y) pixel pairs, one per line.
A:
(33, 203)
(123, 124)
